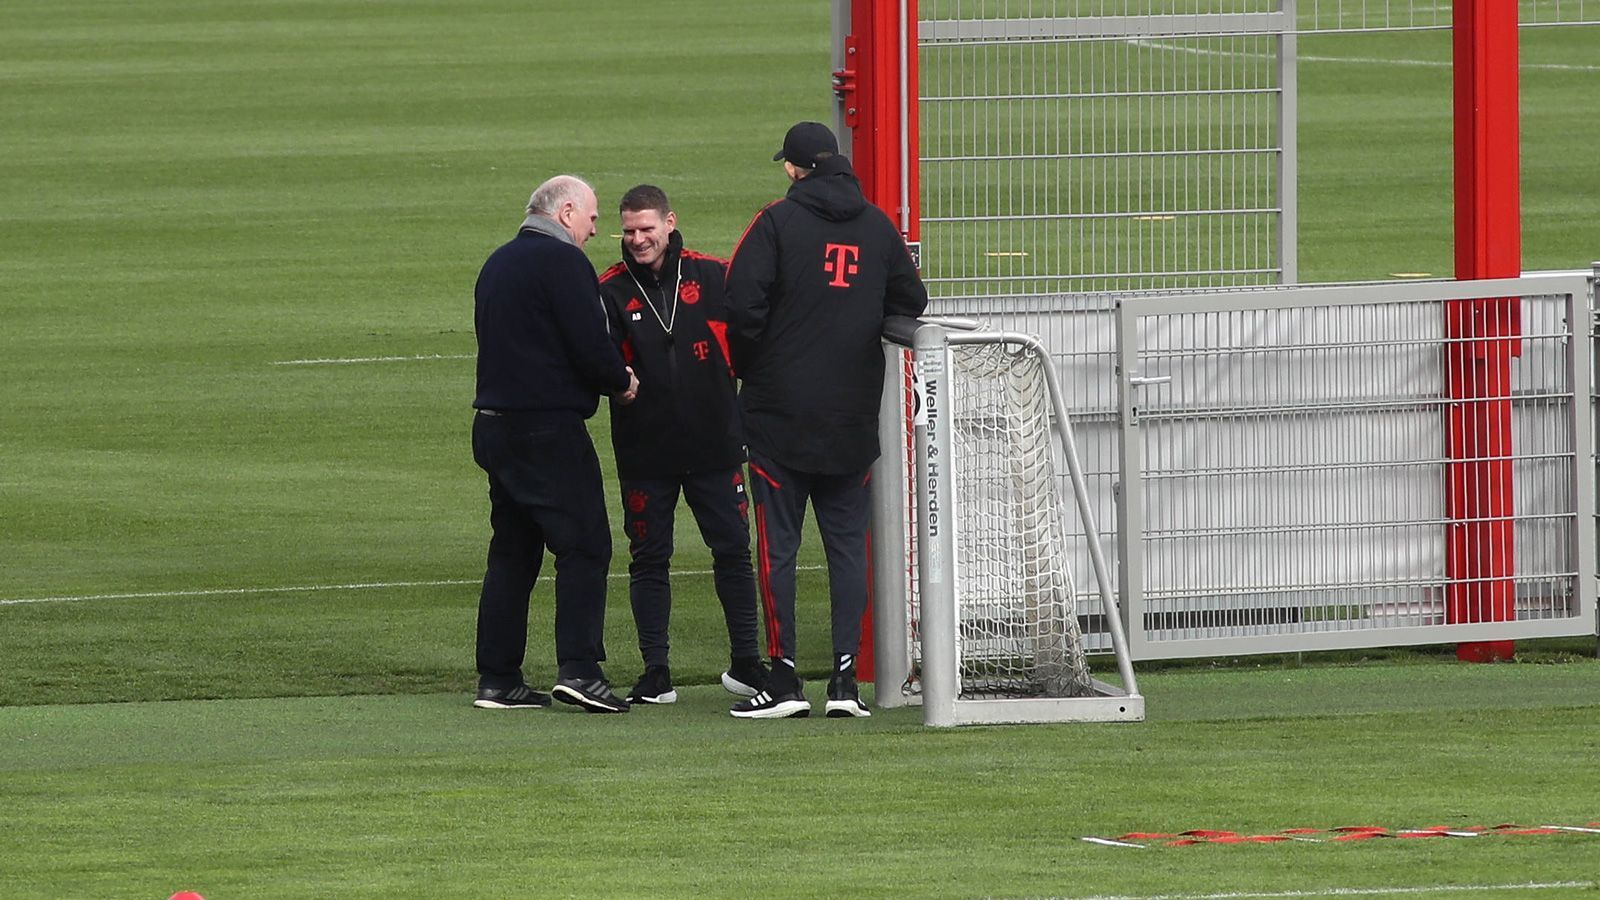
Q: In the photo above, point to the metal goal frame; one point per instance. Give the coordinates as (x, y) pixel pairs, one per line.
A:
(931, 625)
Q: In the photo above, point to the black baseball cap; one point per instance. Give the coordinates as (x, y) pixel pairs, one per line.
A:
(805, 142)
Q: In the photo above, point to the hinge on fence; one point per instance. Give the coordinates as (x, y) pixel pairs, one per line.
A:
(844, 82)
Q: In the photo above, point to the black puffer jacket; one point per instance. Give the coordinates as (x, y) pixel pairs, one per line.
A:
(683, 420)
(809, 285)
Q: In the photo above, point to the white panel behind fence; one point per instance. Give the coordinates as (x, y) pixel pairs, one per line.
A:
(1292, 461)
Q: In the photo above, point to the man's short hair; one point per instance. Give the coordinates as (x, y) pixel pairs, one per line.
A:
(548, 197)
(801, 173)
(645, 196)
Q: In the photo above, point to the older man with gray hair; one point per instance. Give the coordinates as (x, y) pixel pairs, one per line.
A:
(544, 359)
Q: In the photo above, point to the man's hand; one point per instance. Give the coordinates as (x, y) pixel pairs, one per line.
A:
(632, 391)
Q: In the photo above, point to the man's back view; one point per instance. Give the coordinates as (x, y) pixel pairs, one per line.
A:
(809, 286)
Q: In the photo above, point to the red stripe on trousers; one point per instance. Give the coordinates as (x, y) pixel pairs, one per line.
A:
(769, 606)
(765, 477)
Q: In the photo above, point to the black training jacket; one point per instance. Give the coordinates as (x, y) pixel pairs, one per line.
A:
(684, 419)
(808, 288)
(542, 342)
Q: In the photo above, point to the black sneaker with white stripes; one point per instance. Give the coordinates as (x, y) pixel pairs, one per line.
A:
(763, 705)
(844, 696)
(654, 686)
(519, 697)
(593, 694)
(746, 676)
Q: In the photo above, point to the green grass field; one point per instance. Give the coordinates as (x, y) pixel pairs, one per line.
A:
(237, 587)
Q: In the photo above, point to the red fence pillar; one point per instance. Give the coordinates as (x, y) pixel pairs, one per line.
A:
(1480, 554)
(878, 88)
(883, 126)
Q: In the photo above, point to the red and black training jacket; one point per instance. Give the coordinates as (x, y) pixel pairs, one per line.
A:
(684, 419)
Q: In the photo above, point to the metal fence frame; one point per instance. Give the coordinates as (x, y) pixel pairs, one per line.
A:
(1126, 154)
(1266, 636)
(1092, 343)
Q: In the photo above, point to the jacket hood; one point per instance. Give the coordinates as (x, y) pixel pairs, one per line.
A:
(832, 190)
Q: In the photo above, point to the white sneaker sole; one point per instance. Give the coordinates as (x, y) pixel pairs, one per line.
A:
(659, 699)
(839, 709)
(495, 704)
(788, 709)
(734, 686)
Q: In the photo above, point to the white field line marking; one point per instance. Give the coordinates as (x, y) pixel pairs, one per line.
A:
(370, 359)
(1365, 60)
(1363, 892)
(306, 588)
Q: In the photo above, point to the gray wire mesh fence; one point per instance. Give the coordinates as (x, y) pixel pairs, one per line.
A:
(1071, 146)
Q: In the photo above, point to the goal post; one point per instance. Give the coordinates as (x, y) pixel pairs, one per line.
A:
(978, 618)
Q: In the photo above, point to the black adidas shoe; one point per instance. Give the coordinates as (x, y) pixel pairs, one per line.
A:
(746, 677)
(519, 697)
(593, 694)
(655, 686)
(844, 696)
(792, 705)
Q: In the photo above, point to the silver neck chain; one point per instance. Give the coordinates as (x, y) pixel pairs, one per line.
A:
(672, 308)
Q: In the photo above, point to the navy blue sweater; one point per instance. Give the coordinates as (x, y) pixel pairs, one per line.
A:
(542, 339)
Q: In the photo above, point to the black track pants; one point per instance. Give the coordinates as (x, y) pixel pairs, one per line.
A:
(721, 509)
(841, 503)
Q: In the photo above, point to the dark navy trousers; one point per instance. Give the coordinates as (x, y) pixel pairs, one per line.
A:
(545, 492)
(842, 504)
(721, 509)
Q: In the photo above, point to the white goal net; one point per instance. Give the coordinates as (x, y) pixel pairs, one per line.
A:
(1019, 633)
(979, 618)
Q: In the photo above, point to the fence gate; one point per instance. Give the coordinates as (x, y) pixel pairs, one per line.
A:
(1285, 480)
(1069, 147)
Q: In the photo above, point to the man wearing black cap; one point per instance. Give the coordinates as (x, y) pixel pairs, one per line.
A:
(809, 286)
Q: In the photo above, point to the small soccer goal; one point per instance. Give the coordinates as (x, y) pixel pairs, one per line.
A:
(979, 619)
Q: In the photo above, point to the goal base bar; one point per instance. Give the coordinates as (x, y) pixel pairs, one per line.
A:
(1041, 710)
(1110, 704)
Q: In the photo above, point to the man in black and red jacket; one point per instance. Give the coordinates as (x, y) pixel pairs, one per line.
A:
(809, 286)
(668, 310)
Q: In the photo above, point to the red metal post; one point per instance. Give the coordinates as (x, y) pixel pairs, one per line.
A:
(1484, 334)
(883, 127)
(883, 154)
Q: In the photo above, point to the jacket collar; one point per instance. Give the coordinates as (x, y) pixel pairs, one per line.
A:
(545, 225)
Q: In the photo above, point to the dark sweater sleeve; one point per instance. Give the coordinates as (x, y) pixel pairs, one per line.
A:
(580, 316)
(751, 274)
